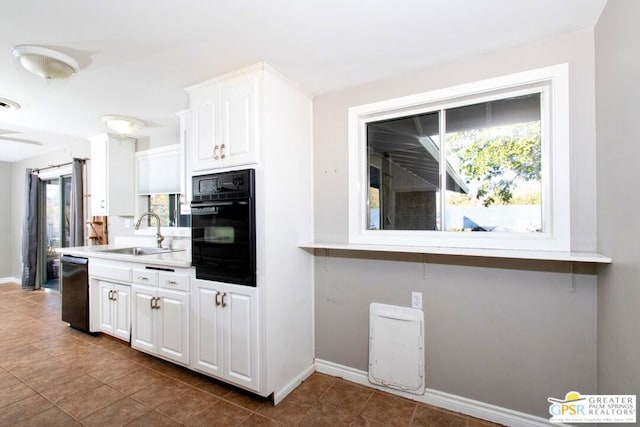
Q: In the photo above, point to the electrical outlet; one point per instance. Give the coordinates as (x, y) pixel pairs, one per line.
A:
(416, 300)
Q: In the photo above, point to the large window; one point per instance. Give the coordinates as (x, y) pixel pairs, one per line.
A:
(479, 165)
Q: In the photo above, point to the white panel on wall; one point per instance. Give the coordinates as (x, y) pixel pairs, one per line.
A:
(396, 347)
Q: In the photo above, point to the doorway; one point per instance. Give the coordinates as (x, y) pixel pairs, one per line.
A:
(55, 231)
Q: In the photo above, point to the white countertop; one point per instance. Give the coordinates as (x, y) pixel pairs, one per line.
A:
(178, 258)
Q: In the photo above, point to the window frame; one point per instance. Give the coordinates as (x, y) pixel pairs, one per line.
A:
(552, 83)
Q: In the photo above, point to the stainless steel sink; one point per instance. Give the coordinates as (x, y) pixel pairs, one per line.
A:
(137, 250)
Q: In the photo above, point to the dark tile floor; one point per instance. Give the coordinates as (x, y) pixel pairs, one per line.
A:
(52, 375)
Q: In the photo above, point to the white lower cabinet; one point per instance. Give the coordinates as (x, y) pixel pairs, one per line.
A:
(211, 327)
(225, 332)
(143, 334)
(115, 309)
(160, 322)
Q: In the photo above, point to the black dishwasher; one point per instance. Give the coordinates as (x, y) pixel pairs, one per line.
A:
(75, 292)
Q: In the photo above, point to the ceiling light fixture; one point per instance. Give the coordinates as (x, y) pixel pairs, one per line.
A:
(122, 124)
(44, 62)
(7, 104)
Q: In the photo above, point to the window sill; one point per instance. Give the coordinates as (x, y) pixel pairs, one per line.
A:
(587, 257)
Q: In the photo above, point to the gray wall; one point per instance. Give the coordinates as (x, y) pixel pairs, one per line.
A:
(80, 150)
(5, 220)
(510, 333)
(617, 93)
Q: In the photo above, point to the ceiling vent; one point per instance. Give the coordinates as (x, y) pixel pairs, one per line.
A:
(7, 104)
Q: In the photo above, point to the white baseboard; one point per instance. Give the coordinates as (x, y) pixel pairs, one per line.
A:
(448, 401)
(5, 280)
(284, 391)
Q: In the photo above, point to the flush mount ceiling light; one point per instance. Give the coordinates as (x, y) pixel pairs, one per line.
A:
(7, 104)
(122, 124)
(44, 62)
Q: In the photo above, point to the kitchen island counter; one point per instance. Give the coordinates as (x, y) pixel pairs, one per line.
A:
(175, 258)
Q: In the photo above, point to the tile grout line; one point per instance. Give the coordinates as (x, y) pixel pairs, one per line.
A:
(359, 414)
(413, 415)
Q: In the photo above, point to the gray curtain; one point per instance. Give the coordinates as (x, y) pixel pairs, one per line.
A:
(30, 232)
(76, 221)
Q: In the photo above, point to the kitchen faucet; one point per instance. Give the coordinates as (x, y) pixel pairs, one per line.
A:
(159, 237)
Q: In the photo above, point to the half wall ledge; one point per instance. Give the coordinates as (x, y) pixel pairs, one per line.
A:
(582, 257)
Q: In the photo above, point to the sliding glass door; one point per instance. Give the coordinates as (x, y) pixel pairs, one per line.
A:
(55, 217)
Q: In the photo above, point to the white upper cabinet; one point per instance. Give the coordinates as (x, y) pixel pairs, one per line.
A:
(112, 176)
(205, 134)
(185, 162)
(224, 122)
(239, 122)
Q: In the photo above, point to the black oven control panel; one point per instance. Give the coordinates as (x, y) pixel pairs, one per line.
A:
(223, 186)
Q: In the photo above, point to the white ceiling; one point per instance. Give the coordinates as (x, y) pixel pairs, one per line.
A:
(136, 56)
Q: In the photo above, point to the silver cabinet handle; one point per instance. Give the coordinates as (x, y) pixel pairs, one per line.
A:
(151, 302)
(222, 156)
(217, 299)
(170, 282)
(142, 278)
(158, 303)
(110, 295)
(215, 152)
(224, 304)
(102, 204)
(114, 297)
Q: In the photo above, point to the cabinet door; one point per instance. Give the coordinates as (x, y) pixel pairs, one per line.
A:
(205, 136)
(143, 324)
(173, 325)
(106, 309)
(239, 123)
(207, 330)
(241, 336)
(98, 167)
(121, 195)
(185, 162)
(112, 176)
(122, 311)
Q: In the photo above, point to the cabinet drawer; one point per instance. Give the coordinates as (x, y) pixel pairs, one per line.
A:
(109, 271)
(145, 277)
(177, 281)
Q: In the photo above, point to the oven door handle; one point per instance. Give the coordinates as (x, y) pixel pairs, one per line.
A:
(209, 208)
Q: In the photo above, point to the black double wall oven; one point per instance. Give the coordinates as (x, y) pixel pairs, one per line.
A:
(223, 227)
